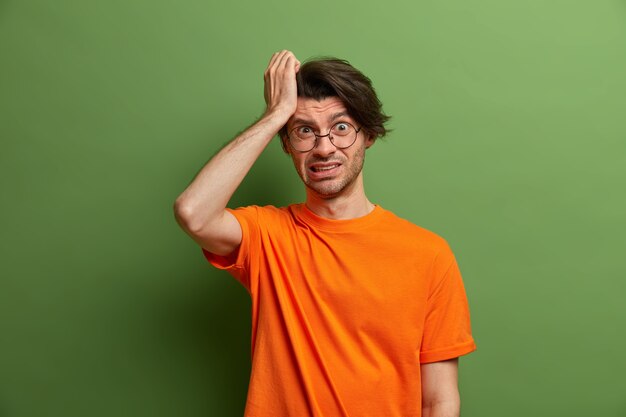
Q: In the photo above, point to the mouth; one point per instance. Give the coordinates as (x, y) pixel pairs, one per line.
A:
(320, 171)
(323, 167)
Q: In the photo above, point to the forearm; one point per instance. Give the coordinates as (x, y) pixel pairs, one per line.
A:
(440, 392)
(208, 194)
(450, 408)
(200, 209)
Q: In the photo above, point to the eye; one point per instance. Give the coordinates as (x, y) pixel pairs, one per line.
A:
(303, 131)
(342, 129)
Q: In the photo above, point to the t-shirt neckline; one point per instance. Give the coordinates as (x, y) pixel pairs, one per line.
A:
(345, 225)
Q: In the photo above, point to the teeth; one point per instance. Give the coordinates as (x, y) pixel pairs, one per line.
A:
(317, 169)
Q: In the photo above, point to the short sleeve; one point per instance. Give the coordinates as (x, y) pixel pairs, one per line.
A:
(447, 329)
(238, 263)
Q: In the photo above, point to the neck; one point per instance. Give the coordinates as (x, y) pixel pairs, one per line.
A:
(350, 203)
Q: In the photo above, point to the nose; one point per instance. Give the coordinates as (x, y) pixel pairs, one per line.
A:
(323, 145)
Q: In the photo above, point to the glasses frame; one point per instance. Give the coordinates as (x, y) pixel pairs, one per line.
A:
(326, 135)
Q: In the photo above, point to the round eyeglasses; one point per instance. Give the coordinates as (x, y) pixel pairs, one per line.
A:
(342, 135)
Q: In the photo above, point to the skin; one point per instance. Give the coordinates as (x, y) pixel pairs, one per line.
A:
(440, 392)
(336, 194)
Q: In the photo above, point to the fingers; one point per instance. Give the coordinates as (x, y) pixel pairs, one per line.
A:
(281, 60)
(272, 64)
(284, 59)
(280, 91)
(273, 59)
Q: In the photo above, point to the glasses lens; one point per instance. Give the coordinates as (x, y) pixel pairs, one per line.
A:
(302, 138)
(343, 134)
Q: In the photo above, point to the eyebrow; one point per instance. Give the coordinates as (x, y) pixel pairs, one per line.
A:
(308, 122)
(336, 116)
(301, 121)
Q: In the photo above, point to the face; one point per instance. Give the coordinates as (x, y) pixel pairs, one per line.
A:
(325, 169)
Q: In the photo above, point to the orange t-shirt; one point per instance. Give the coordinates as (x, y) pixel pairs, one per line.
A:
(345, 311)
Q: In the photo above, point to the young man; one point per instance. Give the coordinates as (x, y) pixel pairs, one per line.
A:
(355, 312)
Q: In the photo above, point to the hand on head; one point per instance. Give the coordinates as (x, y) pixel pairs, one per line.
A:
(281, 93)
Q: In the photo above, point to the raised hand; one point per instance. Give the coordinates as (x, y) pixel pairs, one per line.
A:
(201, 208)
(281, 95)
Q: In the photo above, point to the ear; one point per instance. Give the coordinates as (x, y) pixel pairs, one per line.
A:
(284, 144)
(369, 141)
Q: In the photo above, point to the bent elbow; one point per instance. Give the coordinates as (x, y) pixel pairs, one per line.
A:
(186, 216)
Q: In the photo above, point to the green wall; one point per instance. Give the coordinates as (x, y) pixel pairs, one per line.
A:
(509, 140)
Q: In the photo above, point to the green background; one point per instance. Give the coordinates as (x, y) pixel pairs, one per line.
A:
(509, 140)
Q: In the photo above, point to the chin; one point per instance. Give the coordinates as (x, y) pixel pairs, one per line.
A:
(328, 188)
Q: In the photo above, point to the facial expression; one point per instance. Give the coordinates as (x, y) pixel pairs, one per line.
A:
(325, 169)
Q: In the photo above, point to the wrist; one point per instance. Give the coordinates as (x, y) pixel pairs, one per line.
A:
(277, 118)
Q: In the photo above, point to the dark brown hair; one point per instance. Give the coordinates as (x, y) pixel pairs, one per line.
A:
(331, 77)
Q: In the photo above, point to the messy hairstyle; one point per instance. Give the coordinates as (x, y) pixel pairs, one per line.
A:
(331, 77)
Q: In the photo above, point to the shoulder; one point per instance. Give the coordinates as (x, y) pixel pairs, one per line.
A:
(397, 223)
(415, 236)
(264, 214)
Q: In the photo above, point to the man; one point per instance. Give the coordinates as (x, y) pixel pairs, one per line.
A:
(355, 312)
